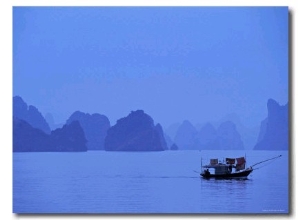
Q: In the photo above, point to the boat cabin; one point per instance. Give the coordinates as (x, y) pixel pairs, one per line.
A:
(216, 168)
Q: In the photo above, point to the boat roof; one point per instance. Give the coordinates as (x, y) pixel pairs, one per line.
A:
(216, 165)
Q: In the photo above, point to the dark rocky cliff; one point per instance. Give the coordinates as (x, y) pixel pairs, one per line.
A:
(136, 132)
(69, 138)
(29, 139)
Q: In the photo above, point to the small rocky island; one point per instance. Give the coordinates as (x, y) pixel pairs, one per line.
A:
(136, 132)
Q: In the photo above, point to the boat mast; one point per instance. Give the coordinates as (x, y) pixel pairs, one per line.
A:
(201, 163)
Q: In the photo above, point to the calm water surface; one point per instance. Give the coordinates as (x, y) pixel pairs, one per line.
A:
(155, 182)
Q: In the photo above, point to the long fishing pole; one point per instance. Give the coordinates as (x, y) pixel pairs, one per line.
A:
(266, 160)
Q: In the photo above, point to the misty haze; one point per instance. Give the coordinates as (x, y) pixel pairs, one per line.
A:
(119, 109)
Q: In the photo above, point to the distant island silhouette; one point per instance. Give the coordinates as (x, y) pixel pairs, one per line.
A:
(69, 138)
(30, 114)
(31, 132)
(95, 127)
(274, 130)
(137, 132)
(225, 137)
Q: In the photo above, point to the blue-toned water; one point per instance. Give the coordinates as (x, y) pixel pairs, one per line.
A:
(155, 182)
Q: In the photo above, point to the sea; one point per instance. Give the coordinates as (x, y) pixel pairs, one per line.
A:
(167, 182)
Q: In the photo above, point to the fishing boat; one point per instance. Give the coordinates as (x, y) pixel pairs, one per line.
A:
(230, 168)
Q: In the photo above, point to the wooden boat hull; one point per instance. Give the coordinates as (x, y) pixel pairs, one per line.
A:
(242, 174)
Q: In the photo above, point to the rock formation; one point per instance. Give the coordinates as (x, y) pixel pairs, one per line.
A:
(276, 126)
(69, 138)
(185, 136)
(30, 114)
(174, 147)
(95, 127)
(207, 137)
(136, 132)
(29, 139)
(228, 137)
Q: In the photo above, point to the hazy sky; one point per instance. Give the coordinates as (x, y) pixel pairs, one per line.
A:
(175, 63)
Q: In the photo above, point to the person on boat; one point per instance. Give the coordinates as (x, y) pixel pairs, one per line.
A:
(207, 173)
(230, 168)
